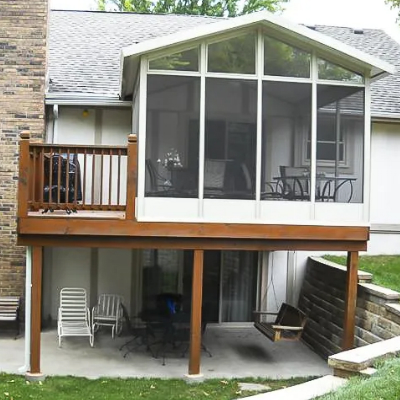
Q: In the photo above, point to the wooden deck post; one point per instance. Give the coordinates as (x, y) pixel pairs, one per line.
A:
(23, 180)
(195, 321)
(36, 309)
(131, 179)
(351, 300)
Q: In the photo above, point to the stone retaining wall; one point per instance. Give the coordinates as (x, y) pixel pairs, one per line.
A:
(322, 299)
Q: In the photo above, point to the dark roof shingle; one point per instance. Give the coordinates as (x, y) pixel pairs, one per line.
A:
(85, 46)
(85, 49)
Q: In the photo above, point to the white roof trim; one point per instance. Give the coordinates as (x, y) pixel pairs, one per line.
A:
(376, 65)
(81, 99)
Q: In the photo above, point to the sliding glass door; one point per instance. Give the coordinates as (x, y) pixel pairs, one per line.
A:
(229, 284)
(238, 286)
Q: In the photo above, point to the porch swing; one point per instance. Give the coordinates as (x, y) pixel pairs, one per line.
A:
(288, 325)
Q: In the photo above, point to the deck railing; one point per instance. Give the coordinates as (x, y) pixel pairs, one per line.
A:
(77, 177)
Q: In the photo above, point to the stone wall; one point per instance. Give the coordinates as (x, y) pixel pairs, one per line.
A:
(322, 299)
(23, 35)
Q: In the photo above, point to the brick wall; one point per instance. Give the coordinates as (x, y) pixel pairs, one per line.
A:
(322, 299)
(23, 33)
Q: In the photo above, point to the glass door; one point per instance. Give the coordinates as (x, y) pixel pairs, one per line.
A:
(238, 286)
(211, 282)
(229, 284)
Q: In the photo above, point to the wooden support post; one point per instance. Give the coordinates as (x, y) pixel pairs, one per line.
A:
(36, 309)
(195, 321)
(23, 180)
(131, 177)
(351, 300)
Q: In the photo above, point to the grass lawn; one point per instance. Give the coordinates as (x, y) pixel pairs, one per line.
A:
(384, 385)
(13, 387)
(386, 269)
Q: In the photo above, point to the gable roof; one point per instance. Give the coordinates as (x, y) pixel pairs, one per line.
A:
(280, 25)
(85, 49)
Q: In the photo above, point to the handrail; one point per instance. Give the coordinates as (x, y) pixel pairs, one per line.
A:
(80, 149)
(77, 177)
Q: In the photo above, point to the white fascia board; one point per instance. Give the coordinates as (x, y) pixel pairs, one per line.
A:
(385, 117)
(316, 39)
(74, 99)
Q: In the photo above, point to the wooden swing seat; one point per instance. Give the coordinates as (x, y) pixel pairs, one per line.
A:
(288, 325)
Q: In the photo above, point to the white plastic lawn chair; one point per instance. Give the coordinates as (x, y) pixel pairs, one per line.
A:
(73, 314)
(108, 312)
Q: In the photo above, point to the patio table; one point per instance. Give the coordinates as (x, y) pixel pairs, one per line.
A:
(324, 185)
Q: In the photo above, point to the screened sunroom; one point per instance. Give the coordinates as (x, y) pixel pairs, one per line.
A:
(255, 123)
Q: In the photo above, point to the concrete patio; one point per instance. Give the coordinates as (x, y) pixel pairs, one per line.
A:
(237, 352)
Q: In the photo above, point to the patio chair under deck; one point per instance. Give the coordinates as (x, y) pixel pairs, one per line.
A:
(73, 314)
(108, 312)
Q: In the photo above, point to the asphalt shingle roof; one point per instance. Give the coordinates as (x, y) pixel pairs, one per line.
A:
(85, 48)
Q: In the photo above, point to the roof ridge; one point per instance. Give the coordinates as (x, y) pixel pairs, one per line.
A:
(344, 27)
(138, 13)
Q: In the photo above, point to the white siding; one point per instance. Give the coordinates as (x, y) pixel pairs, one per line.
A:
(385, 169)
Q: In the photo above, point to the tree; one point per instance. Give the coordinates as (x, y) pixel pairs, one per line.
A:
(394, 4)
(218, 8)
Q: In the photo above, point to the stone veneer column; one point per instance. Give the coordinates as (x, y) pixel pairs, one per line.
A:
(23, 37)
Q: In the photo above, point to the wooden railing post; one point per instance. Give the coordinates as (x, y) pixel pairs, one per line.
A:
(23, 180)
(131, 180)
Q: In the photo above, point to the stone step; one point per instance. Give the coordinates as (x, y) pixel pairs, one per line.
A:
(304, 391)
(358, 359)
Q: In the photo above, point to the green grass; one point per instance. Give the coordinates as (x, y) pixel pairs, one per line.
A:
(384, 385)
(386, 269)
(13, 387)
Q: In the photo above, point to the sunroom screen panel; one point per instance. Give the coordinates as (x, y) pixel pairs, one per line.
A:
(230, 139)
(286, 116)
(236, 55)
(334, 72)
(281, 59)
(172, 150)
(340, 144)
(187, 60)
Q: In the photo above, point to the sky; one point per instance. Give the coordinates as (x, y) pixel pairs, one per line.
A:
(350, 13)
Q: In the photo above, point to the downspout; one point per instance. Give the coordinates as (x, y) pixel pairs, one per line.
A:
(55, 124)
(28, 310)
(291, 289)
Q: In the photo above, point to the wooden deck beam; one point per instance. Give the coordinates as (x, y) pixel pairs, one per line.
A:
(122, 227)
(126, 242)
(351, 300)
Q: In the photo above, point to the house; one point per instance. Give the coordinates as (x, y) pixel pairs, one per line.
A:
(249, 146)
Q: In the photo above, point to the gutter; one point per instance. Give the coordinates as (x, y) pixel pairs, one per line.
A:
(73, 99)
(386, 118)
